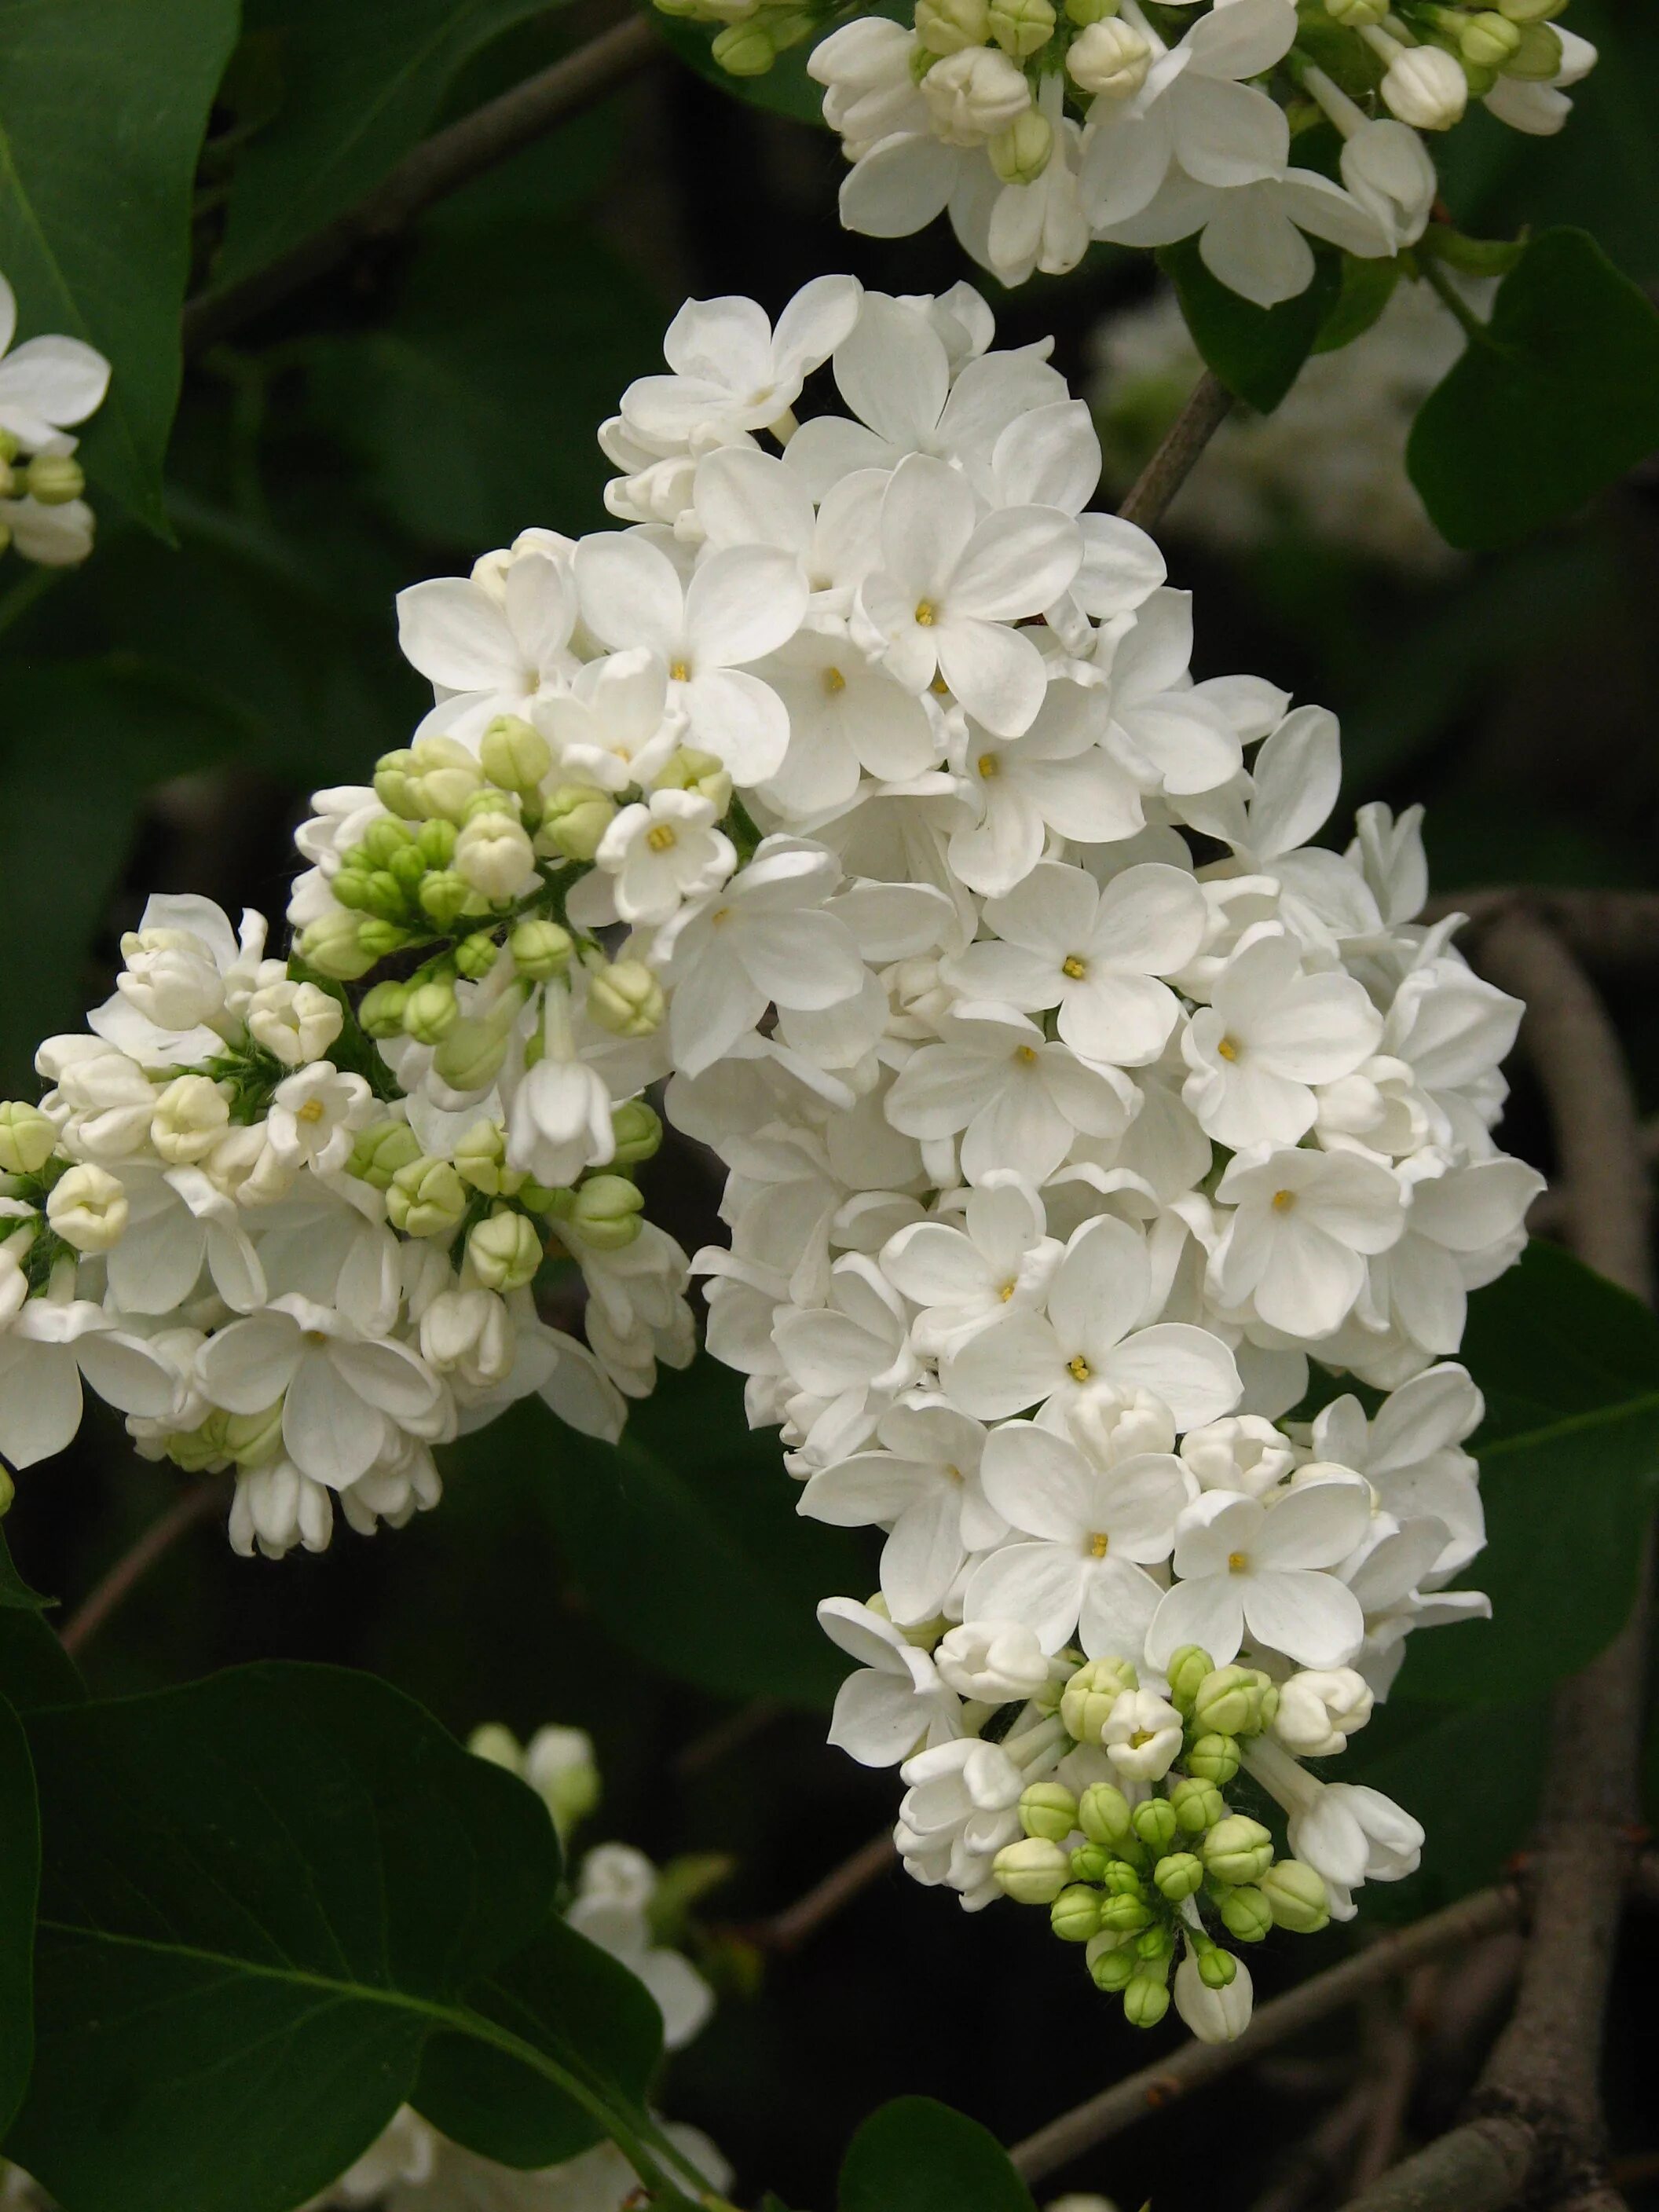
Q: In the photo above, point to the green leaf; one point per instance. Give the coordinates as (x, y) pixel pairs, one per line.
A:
(914, 2155)
(103, 104)
(1556, 399)
(14, 1592)
(34, 1667)
(263, 1894)
(1365, 291)
(19, 1882)
(1257, 352)
(684, 1538)
(1569, 1459)
(473, 407)
(362, 83)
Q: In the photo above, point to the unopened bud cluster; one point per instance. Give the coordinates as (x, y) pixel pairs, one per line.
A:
(1153, 1872)
(47, 384)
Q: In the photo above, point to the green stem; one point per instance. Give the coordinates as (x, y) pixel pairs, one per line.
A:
(1474, 328)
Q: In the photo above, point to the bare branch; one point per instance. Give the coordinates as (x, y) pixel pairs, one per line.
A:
(439, 166)
(134, 1564)
(788, 1929)
(1197, 2064)
(1607, 928)
(1205, 410)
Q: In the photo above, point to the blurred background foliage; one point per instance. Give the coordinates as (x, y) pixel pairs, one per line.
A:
(168, 708)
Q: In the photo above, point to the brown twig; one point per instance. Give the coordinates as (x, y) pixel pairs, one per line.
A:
(1607, 928)
(1205, 410)
(1393, 2076)
(726, 1736)
(1197, 2064)
(1320, 2158)
(439, 165)
(788, 1929)
(1537, 2121)
(135, 1562)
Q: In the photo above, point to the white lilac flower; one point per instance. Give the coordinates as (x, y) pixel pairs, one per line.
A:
(732, 370)
(896, 1699)
(1250, 1570)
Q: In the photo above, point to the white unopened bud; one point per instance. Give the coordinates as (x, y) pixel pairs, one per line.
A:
(560, 1767)
(1213, 2015)
(192, 1115)
(1356, 15)
(294, 1022)
(29, 1137)
(171, 977)
(87, 1208)
(972, 94)
(1142, 1735)
(494, 855)
(992, 1661)
(1240, 1452)
(1110, 59)
(945, 27)
(468, 1333)
(1320, 1709)
(504, 1252)
(1425, 87)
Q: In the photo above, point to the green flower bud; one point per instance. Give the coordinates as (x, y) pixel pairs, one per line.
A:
(1238, 1849)
(744, 49)
(477, 955)
(626, 999)
(426, 1198)
(1296, 1897)
(254, 1439)
(200, 1450)
(379, 939)
(1530, 11)
(481, 1155)
(688, 769)
(540, 950)
(430, 1012)
(1032, 1872)
(445, 776)
(1198, 1804)
(27, 1137)
(1154, 1821)
(504, 1252)
(515, 754)
(1356, 15)
(394, 784)
(404, 871)
(380, 1150)
(333, 946)
(1089, 1697)
(1213, 1759)
(1084, 12)
(1179, 1876)
(54, 479)
(382, 842)
(379, 893)
(1074, 1915)
(1245, 1914)
(1145, 2000)
(446, 897)
(381, 1010)
(1021, 26)
(490, 801)
(7, 1491)
(1048, 1808)
(1020, 154)
(1216, 1968)
(1537, 59)
(1155, 1942)
(353, 888)
(1090, 1861)
(542, 1200)
(1104, 1814)
(606, 1215)
(1125, 1916)
(1488, 39)
(1228, 1702)
(1120, 1878)
(574, 819)
(434, 845)
(1111, 1971)
(1188, 1667)
(636, 1130)
(471, 1053)
(945, 27)
(1480, 79)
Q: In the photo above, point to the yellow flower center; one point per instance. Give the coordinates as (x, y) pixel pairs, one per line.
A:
(939, 688)
(1284, 1201)
(954, 1472)
(660, 837)
(1141, 1737)
(834, 681)
(310, 1111)
(1227, 1048)
(1075, 968)
(721, 914)
(1006, 1291)
(680, 671)
(1079, 1369)
(925, 611)
(1238, 1563)
(1026, 1055)
(988, 765)
(1099, 1544)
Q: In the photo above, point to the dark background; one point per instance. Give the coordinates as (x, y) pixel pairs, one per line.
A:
(169, 710)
